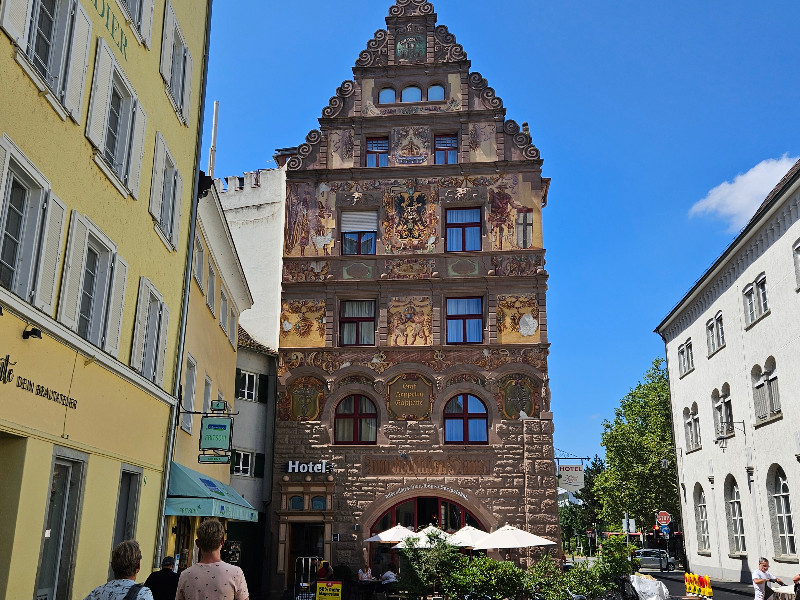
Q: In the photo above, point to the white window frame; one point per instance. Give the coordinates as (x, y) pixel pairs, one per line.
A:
(123, 163)
(199, 263)
(756, 301)
(207, 394)
(224, 315)
(736, 520)
(140, 17)
(150, 334)
(766, 394)
(63, 81)
(796, 256)
(692, 425)
(189, 391)
(166, 193)
(715, 334)
(244, 393)
(723, 409)
(524, 226)
(239, 467)
(784, 522)
(211, 295)
(682, 360)
(232, 327)
(689, 356)
(176, 65)
(703, 541)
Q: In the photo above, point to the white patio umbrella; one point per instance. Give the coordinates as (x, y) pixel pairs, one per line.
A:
(391, 536)
(509, 536)
(467, 536)
(422, 537)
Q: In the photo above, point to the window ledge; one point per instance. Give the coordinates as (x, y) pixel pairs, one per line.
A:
(199, 284)
(757, 319)
(737, 555)
(786, 558)
(694, 449)
(109, 172)
(686, 373)
(174, 103)
(717, 350)
(704, 552)
(41, 85)
(163, 236)
(123, 8)
(211, 308)
(725, 436)
(773, 417)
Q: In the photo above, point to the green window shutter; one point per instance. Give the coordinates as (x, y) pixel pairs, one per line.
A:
(258, 470)
(233, 458)
(238, 383)
(263, 388)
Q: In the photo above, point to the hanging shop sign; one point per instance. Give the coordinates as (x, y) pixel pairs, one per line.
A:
(570, 477)
(216, 433)
(409, 397)
(8, 377)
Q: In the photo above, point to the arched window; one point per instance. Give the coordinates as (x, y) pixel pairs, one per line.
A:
(783, 525)
(733, 512)
(701, 517)
(466, 421)
(723, 411)
(356, 421)
(318, 503)
(296, 503)
(387, 96)
(435, 93)
(411, 94)
(766, 396)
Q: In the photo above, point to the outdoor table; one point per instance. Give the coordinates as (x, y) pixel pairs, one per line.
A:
(783, 592)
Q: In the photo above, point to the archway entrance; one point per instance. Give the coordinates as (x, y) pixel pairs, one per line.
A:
(417, 513)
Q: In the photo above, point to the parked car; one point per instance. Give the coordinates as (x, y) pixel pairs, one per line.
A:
(656, 559)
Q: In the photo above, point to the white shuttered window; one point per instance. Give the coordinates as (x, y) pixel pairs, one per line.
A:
(150, 334)
(139, 15)
(166, 190)
(176, 63)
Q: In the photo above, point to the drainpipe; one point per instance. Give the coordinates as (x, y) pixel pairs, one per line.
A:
(173, 420)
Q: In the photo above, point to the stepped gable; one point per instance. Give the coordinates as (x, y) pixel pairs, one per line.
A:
(412, 39)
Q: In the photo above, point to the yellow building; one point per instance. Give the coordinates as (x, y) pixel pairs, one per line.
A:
(100, 114)
(218, 294)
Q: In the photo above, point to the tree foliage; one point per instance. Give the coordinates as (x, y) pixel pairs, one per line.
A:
(636, 442)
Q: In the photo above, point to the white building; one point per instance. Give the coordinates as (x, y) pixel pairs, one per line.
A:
(733, 356)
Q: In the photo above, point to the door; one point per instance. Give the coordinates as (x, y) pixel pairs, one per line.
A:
(47, 583)
(305, 539)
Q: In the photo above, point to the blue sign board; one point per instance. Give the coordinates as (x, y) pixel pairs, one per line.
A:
(665, 530)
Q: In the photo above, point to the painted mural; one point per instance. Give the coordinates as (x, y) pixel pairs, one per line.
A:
(512, 265)
(354, 380)
(410, 222)
(370, 110)
(482, 143)
(302, 323)
(303, 271)
(518, 396)
(411, 145)
(410, 321)
(410, 268)
(310, 220)
(303, 400)
(518, 320)
(341, 148)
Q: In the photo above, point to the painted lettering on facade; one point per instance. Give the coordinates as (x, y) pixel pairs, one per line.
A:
(410, 397)
(423, 466)
(113, 25)
(30, 386)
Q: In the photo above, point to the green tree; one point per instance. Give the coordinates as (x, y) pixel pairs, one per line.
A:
(428, 562)
(636, 442)
(590, 503)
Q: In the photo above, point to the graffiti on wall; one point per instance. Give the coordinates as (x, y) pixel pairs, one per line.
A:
(302, 323)
(303, 400)
(518, 319)
(410, 321)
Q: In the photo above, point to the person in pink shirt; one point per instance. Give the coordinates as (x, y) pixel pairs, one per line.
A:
(211, 577)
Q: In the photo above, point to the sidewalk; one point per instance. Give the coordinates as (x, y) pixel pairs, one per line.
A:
(674, 581)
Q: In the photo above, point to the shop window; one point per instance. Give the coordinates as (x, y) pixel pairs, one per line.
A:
(296, 503)
(387, 96)
(445, 149)
(356, 421)
(465, 421)
(176, 63)
(411, 94)
(435, 93)
(377, 152)
(318, 503)
(359, 231)
(464, 320)
(463, 229)
(357, 323)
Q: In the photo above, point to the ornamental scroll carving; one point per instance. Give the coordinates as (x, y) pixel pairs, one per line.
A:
(521, 139)
(445, 48)
(377, 52)
(410, 8)
(488, 97)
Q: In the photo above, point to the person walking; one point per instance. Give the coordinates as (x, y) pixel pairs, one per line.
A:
(210, 577)
(126, 559)
(164, 582)
(761, 577)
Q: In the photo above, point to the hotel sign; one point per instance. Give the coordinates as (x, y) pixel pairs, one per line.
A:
(7, 377)
(423, 465)
(409, 398)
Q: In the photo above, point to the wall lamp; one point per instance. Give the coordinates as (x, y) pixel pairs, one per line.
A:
(33, 332)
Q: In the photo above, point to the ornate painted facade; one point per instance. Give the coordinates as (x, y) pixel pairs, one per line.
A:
(414, 302)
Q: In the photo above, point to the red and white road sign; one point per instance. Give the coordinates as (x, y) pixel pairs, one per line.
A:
(663, 518)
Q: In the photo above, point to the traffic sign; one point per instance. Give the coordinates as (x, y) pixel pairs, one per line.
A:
(663, 518)
(665, 530)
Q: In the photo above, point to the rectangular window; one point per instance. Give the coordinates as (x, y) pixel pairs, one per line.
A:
(720, 331)
(763, 304)
(176, 63)
(445, 149)
(359, 231)
(689, 356)
(166, 192)
(57, 557)
(88, 294)
(377, 152)
(756, 303)
(524, 229)
(357, 323)
(148, 355)
(139, 13)
(199, 262)
(11, 241)
(207, 395)
(127, 505)
(189, 386)
(702, 524)
(465, 320)
(233, 330)
(463, 229)
(750, 304)
(711, 337)
(211, 296)
(242, 463)
(224, 315)
(247, 385)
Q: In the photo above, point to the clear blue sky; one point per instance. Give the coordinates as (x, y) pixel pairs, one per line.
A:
(640, 110)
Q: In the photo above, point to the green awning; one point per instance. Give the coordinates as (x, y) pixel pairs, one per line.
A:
(192, 494)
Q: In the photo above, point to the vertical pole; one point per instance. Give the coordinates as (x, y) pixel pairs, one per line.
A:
(212, 152)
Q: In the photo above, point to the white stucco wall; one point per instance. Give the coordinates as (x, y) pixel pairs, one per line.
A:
(255, 216)
(754, 449)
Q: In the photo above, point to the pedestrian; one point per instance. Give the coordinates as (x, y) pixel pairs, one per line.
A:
(126, 558)
(210, 577)
(325, 571)
(164, 582)
(389, 579)
(760, 578)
